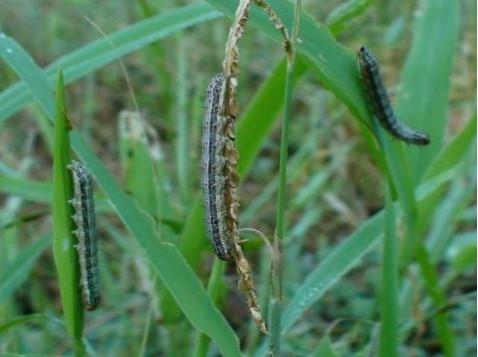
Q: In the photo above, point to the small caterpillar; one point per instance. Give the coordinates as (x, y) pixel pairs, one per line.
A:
(85, 232)
(380, 103)
(213, 165)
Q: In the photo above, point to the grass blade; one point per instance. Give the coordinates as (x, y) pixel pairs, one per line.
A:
(175, 273)
(345, 256)
(17, 272)
(66, 257)
(436, 293)
(425, 83)
(451, 154)
(389, 288)
(339, 17)
(277, 272)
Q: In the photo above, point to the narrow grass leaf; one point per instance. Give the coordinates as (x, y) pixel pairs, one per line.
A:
(22, 63)
(19, 269)
(41, 191)
(389, 285)
(66, 257)
(345, 256)
(37, 191)
(142, 183)
(435, 291)
(425, 84)
(136, 162)
(340, 16)
(16, 322)
(213, 289)
(454, 152)
(337, 263)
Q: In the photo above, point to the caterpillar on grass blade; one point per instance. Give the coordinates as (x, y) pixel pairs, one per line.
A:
(219, 184)
(86, 234)
(213, 164)
(380, 102)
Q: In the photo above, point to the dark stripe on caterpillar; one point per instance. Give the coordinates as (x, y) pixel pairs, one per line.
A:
(86, 234)
(380, 102)
(213, 165)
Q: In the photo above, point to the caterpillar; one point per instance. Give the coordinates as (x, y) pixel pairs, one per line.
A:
(380, 102)
(86, 234)
(213, 166)
(219, 183)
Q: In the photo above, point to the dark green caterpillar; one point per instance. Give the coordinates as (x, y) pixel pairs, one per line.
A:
(380, 103)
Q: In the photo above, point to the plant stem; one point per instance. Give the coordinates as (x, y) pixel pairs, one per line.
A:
(276, 280)
(389, 300)
(182, 123)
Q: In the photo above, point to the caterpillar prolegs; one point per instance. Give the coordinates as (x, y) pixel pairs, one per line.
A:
(86, 234)
(380, 102)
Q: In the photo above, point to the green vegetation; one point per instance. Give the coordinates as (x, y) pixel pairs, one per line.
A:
(378, 238)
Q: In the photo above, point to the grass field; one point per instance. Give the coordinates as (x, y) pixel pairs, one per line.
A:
(378, 237)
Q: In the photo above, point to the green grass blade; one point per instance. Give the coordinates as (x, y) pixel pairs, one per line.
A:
(141, 181)
(432, 284)
(277, 262)
(16, 322)
(17, 272)
(66, 256)
(182, 123)
(22, 63)
(213, 289)
(337, 263)
(345, 256)
(451, 154)
(425, 84)
(259, 117)
(339, 17)
(171, 266)
(136, 162)
(100, 52)
(389, 286)
(40, 191)
(37, 191)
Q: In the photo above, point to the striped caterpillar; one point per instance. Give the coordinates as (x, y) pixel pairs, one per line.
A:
(380, 103)
(219, 183)
(85, 232)
(213, 164)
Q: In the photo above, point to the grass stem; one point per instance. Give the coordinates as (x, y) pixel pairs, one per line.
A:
(276, 280)
(389, 293)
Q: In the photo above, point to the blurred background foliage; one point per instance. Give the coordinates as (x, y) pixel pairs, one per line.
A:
(335, 183)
